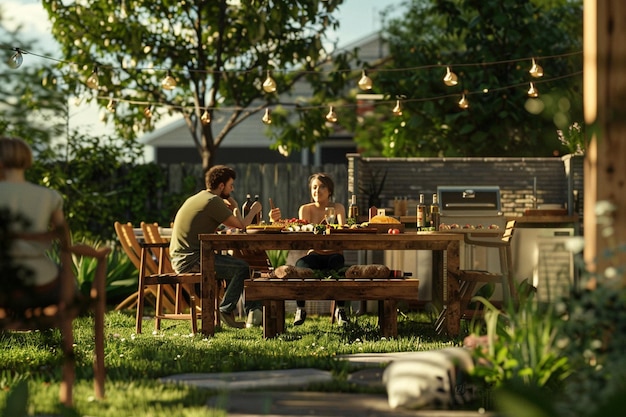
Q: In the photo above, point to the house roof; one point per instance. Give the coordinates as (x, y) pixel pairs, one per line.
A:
(251, 132)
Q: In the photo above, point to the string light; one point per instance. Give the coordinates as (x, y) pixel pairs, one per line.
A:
(206, 117)
(532, 91)
(267, 117)
(397, 110)
(269, 85)
(147, 112)
(15, 61)
(535, 70)
(93, 81)
(169, 82)
(331, 116)
(450, 79)
(463, 103)
(111, 106)
(365, 83)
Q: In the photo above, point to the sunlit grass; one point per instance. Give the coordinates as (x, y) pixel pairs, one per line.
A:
(135, 362)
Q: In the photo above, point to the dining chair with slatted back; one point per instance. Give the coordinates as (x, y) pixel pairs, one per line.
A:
(155, 279)
(185, 293)
(16, 316)
(470, 279)
(128, 240)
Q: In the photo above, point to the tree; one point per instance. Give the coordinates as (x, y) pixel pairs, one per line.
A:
(219, 52)
(492, 44)
(29, 109)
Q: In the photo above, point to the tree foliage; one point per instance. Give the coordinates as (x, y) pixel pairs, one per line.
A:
(489, 45)
(103, 181)
(29, 109)
(219, 52)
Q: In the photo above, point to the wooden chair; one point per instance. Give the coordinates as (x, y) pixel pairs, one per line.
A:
(154, 276)
(128, 240)
(61, 315)
(469, 280)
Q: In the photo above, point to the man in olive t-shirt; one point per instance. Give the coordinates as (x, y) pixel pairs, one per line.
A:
(203, 213)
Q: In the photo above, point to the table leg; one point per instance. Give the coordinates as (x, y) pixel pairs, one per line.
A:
(273, 318)
(208, 290)
(388, 317)
(453, 302)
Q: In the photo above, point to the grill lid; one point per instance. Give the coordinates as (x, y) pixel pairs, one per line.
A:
(469, 199)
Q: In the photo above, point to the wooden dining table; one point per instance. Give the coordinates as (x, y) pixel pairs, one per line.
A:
(444, 246)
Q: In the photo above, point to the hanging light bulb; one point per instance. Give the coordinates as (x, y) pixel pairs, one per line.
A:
(535, 70)
(365, 83)
(463, 103)
(15, 61)
(269, 85)
(450, 79)
(206, 117)
(111, 106)
(532, 91)
(169, 82)
(267, 118)
(397, 110)
(331, 116)
(147, 112)
(93, 81)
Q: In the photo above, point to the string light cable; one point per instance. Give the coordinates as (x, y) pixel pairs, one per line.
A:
(170, 76)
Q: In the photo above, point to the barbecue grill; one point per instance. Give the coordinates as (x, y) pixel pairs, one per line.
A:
(470, 206)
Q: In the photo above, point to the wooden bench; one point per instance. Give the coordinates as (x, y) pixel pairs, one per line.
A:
(274, 292)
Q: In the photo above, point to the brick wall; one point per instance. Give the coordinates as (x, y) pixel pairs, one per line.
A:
(553, 180)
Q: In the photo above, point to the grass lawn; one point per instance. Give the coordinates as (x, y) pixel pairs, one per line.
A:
(135, 362)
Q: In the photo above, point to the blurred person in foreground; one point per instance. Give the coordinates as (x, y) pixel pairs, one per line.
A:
(42, 222)
(204, 212)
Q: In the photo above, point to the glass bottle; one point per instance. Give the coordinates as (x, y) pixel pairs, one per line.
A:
(421, 213)
(353, 211)
(434, 213)
(245, 207)
(257, 218)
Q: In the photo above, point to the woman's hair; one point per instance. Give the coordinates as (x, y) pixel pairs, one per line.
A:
(324, 179)
(217, 175)
(15, 153)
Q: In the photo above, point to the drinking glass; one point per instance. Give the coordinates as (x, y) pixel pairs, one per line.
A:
(330, 215)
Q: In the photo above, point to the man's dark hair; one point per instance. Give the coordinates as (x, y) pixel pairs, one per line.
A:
(217, 175)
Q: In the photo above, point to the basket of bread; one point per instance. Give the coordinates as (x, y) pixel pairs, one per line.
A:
(384, 223)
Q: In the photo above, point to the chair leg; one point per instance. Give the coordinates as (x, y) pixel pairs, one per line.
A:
(140, 298)
(333, 307)
(100, 307)
(69, 363)
(159, 308)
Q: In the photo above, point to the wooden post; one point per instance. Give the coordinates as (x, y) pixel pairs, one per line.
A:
(605, 117)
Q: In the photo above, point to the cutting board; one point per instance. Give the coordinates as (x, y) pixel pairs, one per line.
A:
(543, 212)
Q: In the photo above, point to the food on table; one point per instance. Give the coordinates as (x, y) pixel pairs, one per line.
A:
(384, 219)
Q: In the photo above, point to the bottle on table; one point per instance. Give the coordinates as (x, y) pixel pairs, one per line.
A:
(353, 211)
(257, 218)
(245, 207)
(434, 213)
(421, 213)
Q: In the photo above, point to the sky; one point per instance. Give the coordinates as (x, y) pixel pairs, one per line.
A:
(357, 18)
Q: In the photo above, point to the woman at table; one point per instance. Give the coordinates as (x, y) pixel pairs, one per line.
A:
(322, 189)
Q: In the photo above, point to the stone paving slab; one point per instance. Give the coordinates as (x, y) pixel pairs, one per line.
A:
(252, 379)
(262, 402)
(324, 404)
